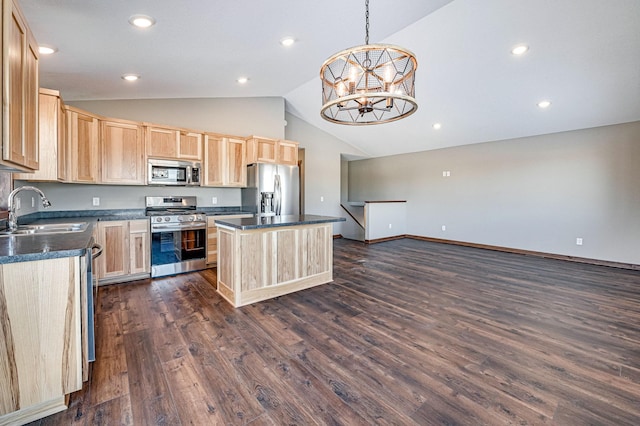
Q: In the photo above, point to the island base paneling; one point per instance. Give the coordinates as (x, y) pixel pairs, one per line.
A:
(40, 348)
(260, 264)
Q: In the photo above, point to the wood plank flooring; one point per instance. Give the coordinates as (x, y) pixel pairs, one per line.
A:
(410, 333)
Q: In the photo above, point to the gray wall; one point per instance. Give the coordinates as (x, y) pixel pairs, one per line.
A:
(233, 116)
(322, 167)
(537, 193)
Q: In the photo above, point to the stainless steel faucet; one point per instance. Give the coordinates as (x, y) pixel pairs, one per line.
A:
(12, 222)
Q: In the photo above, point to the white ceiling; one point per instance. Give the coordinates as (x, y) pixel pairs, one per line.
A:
(584, 57)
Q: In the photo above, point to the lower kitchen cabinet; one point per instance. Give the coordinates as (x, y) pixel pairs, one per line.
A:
(41, 352)
(125, 255)
(212, 236)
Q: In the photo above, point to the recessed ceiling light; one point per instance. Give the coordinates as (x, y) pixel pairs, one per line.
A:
(141, 21)
(520, 49)
(287, 41)
(46, 50)
(437, 126)
(544, 104)
(242, 80)
(131, 77)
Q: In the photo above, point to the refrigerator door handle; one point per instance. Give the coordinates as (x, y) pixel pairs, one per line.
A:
(277, 195)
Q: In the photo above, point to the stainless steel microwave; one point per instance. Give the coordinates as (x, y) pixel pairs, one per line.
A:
(173, 172)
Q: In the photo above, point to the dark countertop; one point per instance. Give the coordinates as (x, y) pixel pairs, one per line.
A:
(24, 248)
(276, 221)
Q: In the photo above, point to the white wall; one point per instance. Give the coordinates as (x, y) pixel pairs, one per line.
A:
(322, 167)
(538, 193)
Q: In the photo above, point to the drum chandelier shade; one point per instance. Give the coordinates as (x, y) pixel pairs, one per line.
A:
(368, 84)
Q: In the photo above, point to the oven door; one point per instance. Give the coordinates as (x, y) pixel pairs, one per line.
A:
(177, 250)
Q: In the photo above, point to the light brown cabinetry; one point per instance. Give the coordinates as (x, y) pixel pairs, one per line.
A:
(172, 143)
(224, 161)
(287, 152)
(19, 91)
(190, 146)
(82, 136)
(125, 253)
(260, 264)
(122, 149)
(41, 320)
(265, 150)
(51, 137)
(212, 235)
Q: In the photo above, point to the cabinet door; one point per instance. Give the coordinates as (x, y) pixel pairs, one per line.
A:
(161, 142)
(114, 238)
(83, 136)
(190, 146)
(287, 153)
(31, 149)
(64, 151)
(139, 262)
(20, 90)
(261, 150)
(122, 149)
(212, 241)
(213, 160)
(236, 165)
(48, 134)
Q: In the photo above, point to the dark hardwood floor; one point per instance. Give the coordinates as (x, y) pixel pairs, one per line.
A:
(410, 332)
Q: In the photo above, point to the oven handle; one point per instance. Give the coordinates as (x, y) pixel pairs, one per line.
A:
(170, 228)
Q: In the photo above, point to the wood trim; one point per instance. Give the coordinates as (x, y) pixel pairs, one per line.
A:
(598, 262)
(385, 201)
(337, 236)
(381, 240)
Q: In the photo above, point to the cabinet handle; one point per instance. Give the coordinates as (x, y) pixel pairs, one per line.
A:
(98, 247)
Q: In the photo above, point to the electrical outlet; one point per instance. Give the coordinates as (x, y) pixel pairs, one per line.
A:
(96, 201)
(389, 226)
(578, 241)
(214, 200)
(444, 227)
(446, 173)
(321, 199)
(33, 202)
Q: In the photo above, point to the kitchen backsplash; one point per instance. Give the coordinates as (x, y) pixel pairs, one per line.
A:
(65, 197)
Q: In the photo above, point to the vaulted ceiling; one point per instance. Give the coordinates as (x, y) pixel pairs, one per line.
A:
(583, 57)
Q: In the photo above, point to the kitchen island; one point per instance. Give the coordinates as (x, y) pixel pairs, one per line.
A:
(264, 257)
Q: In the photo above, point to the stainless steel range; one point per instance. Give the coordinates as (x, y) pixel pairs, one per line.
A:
(178, 235)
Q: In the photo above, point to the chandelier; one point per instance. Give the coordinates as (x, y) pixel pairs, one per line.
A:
(368, 84)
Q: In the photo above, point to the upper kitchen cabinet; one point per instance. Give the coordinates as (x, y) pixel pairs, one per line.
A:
(82, 137)
(51, 139)
(190, 146)
(19, 92)
(122, 152)
(265, 150)
(224, 161)
(172, 143)
(261, 150)
(287, 152)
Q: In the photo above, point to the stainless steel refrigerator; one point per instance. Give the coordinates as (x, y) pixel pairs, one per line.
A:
(272, 190)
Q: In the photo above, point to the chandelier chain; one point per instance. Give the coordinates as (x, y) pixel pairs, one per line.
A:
(366, 27)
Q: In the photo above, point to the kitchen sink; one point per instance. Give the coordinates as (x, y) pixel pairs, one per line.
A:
(49, 228)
